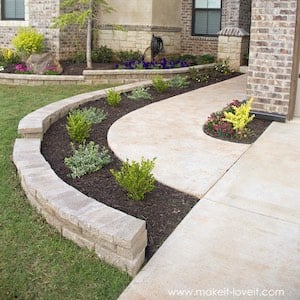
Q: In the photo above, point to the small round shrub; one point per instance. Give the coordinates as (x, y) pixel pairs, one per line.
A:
(28, 41)
(78, 58)
(125, 56)
(102, 54)
(8, 56)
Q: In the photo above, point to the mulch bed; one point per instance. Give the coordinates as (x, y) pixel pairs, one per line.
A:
(257, 127)
(162, 209)
(77, 69)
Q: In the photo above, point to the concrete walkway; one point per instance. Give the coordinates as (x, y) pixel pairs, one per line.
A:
(171, 131)
(242, 239)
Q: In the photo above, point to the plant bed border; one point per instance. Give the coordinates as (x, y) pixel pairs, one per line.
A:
(82, 221)
(116, 237)
(90, 77)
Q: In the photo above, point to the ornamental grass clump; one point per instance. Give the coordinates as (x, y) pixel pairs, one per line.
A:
(136, 178)
(86, 159)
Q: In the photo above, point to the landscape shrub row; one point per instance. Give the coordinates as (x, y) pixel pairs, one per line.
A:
(28, 41)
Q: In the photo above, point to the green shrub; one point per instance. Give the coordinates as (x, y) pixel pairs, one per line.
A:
(160, 84)
(78, 58)
(179, 82)
(8, 56)
(205, 59)
(199, 75)
(78, 127)
(28, 41)
(87, 159)
(240, 117)
(223, 67)
(102, 54)
(136, 178)
(91, 114)
(140, 93)
(129, 56)
(113, 98)
(190, 59)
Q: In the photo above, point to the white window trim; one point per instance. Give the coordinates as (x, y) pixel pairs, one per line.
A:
(18, 23)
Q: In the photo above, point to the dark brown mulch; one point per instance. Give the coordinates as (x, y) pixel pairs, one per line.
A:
(257, 127)
(77, 68)
(162, 209)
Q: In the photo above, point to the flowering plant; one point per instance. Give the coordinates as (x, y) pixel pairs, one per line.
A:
(223, 67)
(163, 64)
(1, 68)
(50, 70)
(22, 69)
(219, 125)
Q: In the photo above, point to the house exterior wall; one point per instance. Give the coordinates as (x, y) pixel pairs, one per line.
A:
(194, 44)
(140, 19)
(271, 54)
(39, 15)
(236, 13)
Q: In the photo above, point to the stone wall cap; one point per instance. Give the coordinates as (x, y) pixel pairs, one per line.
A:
(233, 31)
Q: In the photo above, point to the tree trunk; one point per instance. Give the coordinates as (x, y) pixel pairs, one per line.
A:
(89, 37)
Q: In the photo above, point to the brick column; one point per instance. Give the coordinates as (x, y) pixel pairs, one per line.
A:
(233, 41)
(271, 54)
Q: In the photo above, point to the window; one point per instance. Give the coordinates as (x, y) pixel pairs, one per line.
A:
(206, 17)
(13, 9)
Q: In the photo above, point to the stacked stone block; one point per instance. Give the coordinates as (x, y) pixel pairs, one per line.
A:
(116, 237)
(138, 37)
(271, 54)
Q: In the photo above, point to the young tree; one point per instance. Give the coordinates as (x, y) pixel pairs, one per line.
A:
(81, 13)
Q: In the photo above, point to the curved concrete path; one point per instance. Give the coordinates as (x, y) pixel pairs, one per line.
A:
(242, 240)
(171, 131)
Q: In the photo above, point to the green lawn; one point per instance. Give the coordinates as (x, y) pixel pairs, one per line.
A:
(35, 261)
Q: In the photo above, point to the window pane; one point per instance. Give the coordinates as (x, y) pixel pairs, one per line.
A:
(9, 9)
(13, 9)
(207, 3)
(214, 3)
(200, 22)
(213, 25)
(201, 3)
(20, 9)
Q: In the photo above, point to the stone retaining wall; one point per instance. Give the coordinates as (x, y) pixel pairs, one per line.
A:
(94, 76)
(116, 237)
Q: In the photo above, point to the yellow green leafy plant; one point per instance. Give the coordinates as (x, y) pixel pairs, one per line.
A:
(28, 41)
(240, 117)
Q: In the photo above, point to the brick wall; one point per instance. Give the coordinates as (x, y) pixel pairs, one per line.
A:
(194, 44)
(230, 13)
(245, 15)
(236, 13)
(39, 15)
(271, 54)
